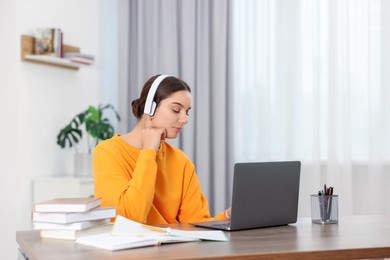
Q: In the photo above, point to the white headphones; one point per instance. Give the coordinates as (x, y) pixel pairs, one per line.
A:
(150, 105)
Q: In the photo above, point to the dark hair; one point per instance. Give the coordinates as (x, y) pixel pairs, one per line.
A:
(166, 88)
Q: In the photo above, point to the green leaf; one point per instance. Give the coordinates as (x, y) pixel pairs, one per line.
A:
(97, 126)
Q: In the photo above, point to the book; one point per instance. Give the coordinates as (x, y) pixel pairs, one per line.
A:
(70, 54)
(61, 47)
(71, 226)
(113, 243)
(81, 60)
(124, 226)
(74, 234)
(67, 205)
(100, 212)
(48, 41)
(127, 234)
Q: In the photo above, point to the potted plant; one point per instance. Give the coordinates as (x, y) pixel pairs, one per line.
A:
(95, 125)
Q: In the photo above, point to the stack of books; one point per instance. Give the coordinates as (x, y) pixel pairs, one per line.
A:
(71, 218)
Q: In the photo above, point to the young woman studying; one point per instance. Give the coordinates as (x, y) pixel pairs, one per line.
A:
(145, 178)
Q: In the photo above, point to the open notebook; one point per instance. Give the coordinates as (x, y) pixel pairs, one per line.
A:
(126, 234)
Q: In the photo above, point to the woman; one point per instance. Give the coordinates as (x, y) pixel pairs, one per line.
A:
(142, 176)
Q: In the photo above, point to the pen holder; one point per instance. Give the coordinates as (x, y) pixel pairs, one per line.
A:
(324, 209)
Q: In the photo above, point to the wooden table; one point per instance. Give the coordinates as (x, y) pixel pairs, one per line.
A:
(354, 237)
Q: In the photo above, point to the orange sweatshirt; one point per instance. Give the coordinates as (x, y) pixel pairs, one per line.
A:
(148, 186)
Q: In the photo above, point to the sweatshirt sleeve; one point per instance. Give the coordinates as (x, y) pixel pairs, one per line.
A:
(130, 191)
(194, 207)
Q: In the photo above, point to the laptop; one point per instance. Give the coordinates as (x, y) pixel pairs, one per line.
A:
(265, 194)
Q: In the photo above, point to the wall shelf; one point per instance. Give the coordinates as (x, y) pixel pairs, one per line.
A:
(28, 55)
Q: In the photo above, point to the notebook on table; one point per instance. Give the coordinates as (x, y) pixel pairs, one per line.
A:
(265, 194)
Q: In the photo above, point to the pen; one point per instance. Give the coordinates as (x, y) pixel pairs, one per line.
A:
(325, 205)
(330, 202)
(161, 230)
(320, 199)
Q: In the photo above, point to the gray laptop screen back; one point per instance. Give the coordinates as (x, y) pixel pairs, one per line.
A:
(265, 194)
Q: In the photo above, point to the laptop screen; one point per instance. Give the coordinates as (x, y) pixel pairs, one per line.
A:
(265, 194)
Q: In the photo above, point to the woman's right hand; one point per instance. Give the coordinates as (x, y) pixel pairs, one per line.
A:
(151, 137)
(228, 213)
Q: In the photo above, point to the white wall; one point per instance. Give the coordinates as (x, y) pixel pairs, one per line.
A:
(36, 101)
(9, 209)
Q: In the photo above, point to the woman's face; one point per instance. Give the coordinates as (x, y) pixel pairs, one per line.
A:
(172, 113)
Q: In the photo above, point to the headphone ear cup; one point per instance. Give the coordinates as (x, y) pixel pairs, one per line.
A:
(153, 108)
(150, 106)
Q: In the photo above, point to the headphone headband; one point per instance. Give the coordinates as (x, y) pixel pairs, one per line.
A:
(150, 105)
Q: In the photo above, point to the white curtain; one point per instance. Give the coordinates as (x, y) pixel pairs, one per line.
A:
(311, 83)
(188, 39)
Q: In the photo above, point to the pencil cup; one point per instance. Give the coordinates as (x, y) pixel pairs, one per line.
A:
(324, 209)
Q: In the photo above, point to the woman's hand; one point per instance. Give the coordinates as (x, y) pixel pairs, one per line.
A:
(152, 136)
(228, 213)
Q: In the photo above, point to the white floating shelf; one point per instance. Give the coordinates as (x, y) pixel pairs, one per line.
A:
(52, 61)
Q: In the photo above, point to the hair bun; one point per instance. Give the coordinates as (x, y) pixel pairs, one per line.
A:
(137, 111)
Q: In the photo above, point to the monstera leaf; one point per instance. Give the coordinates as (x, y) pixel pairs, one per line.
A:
(92, 122)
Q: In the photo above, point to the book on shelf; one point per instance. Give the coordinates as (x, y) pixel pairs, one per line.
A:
(74, 234)
(71, 226)
(71, 54)
(81, 60)
(48, 41)
(61, 45)
(100, 212)
(67, 205)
